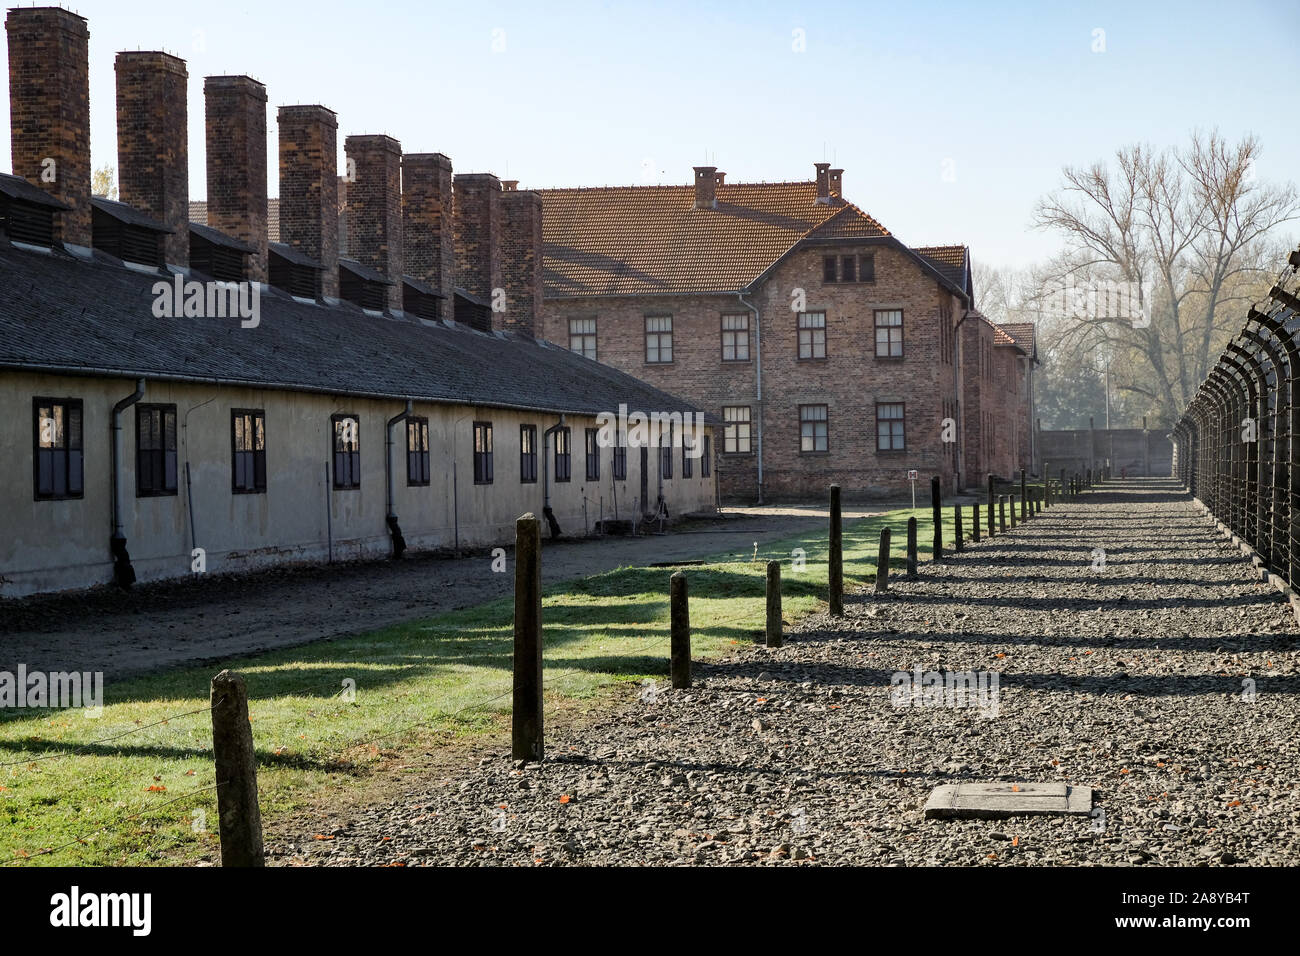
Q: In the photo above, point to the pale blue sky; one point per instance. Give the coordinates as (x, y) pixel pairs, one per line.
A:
(596, 93)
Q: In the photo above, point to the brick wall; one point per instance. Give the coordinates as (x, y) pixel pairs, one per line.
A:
(153, 166)
(428, 224)
(521, 261)
(478, 233)
(374, 208)
(49, 110)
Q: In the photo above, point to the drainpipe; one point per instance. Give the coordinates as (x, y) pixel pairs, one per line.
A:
(546, 477)
(123, 573)
(399, 543)
(758, 387)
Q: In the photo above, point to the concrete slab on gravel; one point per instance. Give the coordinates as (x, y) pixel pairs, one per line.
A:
(993, 801)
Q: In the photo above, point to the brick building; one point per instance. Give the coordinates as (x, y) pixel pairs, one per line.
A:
(832, 351)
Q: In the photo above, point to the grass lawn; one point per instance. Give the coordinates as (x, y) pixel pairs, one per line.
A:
(147, 797)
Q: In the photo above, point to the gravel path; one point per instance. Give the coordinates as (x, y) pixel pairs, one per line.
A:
(1127, 678)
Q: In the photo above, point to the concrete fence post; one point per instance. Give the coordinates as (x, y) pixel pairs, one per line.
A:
(975, 522)
(1002, 514)
(680, 628)
(240, 818)
(774, 604)
(526, 738)
(911, 549)
(882, 562)
(958, 539)
(835, 570)
(936, 507)
(991, 531)
(1024, 496)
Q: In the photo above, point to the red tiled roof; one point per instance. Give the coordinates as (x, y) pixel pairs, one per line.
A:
(646, 240)
(1023, 334)
(199, 214)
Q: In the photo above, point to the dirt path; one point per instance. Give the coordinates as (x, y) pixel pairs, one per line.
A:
(1165, 678)
(219, 617)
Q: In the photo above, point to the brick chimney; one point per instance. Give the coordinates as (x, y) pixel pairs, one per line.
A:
(837, 183)
(706, 187)
(49, 111)
(478, 233)
(823, 183)
(236, 144)
(521, 263)
(153, 152)
(309, 188)
(374, 211)
(720, 178)
(428, 222)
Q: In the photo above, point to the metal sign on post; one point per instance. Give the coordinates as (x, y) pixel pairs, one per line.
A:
(912, 476)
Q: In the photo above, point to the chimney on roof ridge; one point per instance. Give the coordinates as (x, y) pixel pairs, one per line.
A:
(428, 224)
(235, 123)
(309, 188)
(49, 111)
(706, 187)
(721, 178)
(374, 213)
(509, 185)
(521, 262)
(153, 166)
(823, 183)
(478, 233)
(837, 183)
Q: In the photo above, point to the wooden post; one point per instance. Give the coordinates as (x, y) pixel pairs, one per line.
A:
(991, 531)
(240, 819)
(975, 524)
(1024, 496)
(958, 539)
(882, 562)
(1011, 499)
(680, 623)
(936, 506)
(911, 549)
(1002, 513)
(526, 739)
(774, 604)
(835, 572)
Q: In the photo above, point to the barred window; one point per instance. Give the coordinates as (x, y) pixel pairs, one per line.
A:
(58, 463)
(620, 458)
(155, 450)
(582, 337)
(812, 335)
(248, 443)
(658, 339)
(593, 454)
(735, 338)
(706, 460)
(563, 454)
(666, 451)
(736, 430)
(889, 427)
(417, 451)
(527, 454)
(889, 333)
(813, 434)
(482, 453)
(347, 451)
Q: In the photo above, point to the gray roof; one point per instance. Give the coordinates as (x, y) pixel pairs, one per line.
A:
(15, 187)
(127, 214)
(67, 315)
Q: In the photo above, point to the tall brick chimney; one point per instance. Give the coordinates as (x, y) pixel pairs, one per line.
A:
(823, 183)
(428, 222)
(49, 111)
(837, 183)
(153, 153)
(374, 213)
(521, 262)
(309, 188)
(236, 144)
(706, 187)
(478, 233)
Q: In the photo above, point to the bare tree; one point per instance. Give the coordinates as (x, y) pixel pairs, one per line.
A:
(1192, 232)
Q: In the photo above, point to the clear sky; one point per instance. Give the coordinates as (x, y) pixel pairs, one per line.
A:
(949, 118)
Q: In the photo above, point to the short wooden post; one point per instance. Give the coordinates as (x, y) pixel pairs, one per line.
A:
(991, 531)
(526, 740)
(1002, 514)
(936, 507)
(774, 604)
(1011, 499)
(240, 819)
(679, 615)
(958, 539)
(882, 562)
(975, 524)
(911, 549)
(1024, 496)
(835, 571)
